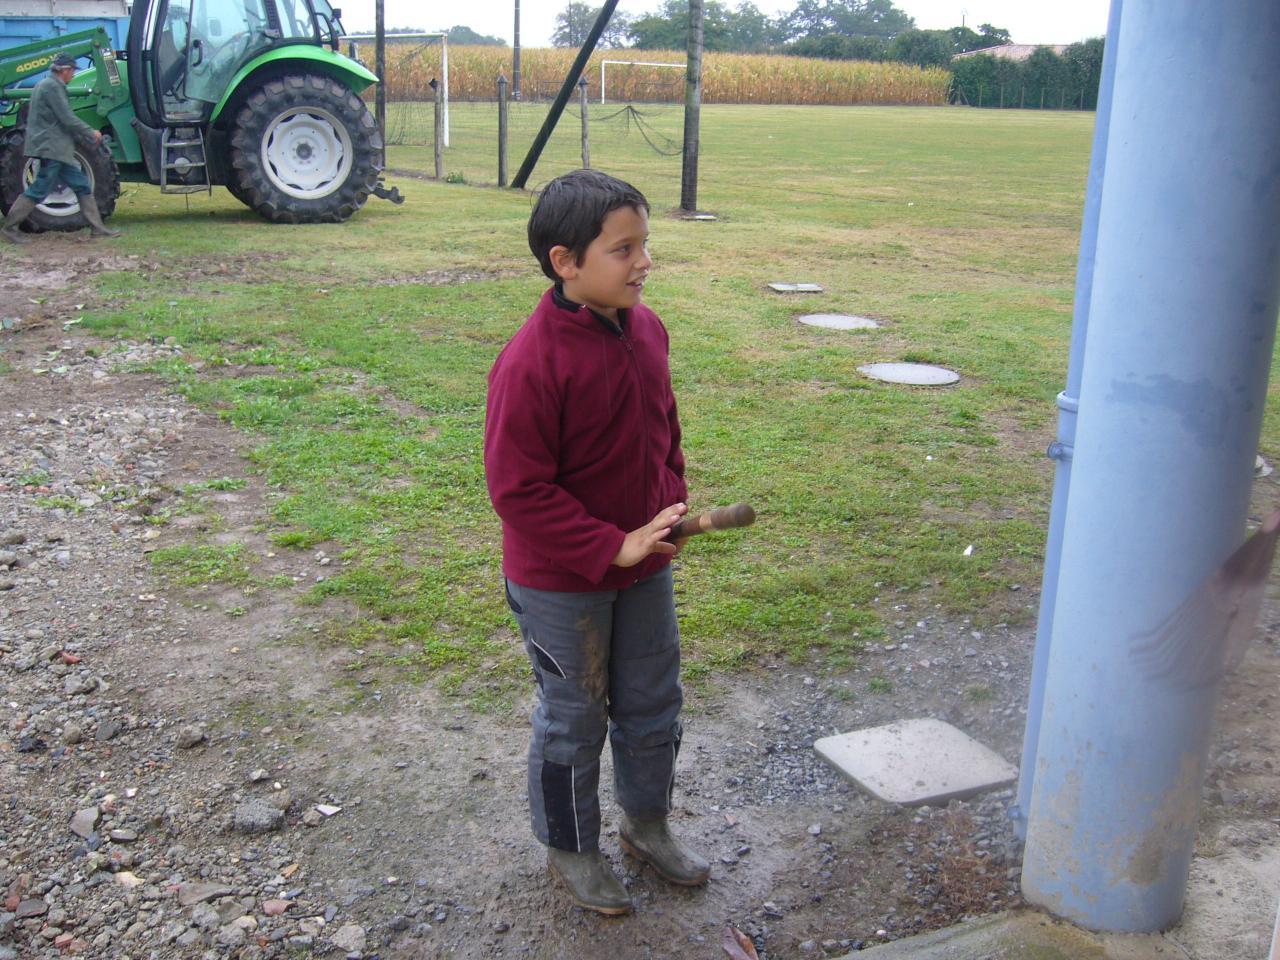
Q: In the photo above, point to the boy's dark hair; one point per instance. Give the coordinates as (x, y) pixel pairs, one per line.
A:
(570, 213)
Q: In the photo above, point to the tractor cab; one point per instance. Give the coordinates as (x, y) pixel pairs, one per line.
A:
(190, 50)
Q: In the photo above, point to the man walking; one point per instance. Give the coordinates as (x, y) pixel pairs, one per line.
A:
(52, 130)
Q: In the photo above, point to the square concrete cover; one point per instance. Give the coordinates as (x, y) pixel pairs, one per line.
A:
(795, 287)
(916, 761)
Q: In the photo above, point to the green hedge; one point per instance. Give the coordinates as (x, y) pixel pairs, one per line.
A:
(1044, 80)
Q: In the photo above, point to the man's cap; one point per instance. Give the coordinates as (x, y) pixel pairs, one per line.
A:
(63, 60)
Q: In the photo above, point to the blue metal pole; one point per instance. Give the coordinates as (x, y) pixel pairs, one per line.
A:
(1186, 289)
(1068, 402)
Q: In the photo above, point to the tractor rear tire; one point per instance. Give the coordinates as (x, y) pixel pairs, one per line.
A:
(304, 149)
(60, 210)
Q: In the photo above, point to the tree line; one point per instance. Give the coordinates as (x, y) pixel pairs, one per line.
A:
(873, 30)
(829, 29)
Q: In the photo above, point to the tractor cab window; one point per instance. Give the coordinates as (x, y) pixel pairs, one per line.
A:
(296, 21)
(224, 34)
(329, 22)
(171, 54)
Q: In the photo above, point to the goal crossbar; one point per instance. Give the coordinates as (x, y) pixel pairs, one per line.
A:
(631, 63)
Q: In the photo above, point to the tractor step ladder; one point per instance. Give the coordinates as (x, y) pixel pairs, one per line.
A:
(191, 140)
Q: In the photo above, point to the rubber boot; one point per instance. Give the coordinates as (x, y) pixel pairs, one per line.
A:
(652, 842)
(20, 210)
(89, 207)
(590, 881)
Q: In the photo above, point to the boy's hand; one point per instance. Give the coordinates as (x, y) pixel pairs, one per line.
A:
(649, 538)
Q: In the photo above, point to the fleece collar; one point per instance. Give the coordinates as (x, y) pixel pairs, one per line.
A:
(564, 303)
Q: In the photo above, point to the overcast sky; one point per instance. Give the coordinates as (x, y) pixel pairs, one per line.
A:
(1029, 21)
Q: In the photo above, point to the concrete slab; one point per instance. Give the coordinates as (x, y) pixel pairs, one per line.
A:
(795, 287)
(1023, 935)
(838, 321)
(914, 374)
(916, 761)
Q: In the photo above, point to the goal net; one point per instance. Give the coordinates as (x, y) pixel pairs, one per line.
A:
(640, 81)
(413, 61)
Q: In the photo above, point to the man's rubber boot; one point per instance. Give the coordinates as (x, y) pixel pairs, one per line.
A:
(590, 881)
(20, 210)
(652, 842)
(89, 207)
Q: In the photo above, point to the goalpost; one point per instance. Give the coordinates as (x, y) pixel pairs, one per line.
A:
(444, 65)
(631, 63)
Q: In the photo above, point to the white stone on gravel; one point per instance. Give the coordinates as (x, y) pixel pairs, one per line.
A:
(84, 822)
(350, 937)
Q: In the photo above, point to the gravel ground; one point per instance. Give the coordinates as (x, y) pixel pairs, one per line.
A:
(178, 782)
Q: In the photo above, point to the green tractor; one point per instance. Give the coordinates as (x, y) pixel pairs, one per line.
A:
(252, 95)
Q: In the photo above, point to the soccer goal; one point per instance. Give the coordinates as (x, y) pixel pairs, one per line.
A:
(629, 63)
(409, 99)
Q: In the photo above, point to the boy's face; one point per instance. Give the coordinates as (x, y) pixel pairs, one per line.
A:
(613, 269)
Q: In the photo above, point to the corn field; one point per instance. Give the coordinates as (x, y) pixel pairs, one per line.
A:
(726, 77)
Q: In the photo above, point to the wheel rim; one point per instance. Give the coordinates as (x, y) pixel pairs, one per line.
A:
(306, 152)
(63, 202)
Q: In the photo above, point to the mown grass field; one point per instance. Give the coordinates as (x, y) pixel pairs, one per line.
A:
(361, 379)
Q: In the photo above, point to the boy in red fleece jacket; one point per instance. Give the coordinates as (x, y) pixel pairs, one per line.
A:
(582, 458)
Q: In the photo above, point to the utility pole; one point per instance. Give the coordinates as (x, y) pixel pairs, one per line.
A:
(692, 110)
(515, 58)
(380, 67)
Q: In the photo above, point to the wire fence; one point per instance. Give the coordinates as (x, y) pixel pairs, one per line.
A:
(1023, 96)
(642, 139)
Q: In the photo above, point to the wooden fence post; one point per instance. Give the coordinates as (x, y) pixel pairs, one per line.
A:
(438, 89)
(582, 104)
(502, 130)
(692, 110)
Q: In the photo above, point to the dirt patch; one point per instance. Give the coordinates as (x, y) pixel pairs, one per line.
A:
(428, 853)
(444, 278)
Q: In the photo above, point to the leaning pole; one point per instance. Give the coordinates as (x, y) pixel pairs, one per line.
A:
(1186, 289)
(1062, 448)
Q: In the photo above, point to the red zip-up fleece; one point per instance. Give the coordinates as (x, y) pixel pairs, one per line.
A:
(581, 444)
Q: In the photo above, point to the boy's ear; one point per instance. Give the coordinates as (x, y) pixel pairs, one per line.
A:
(563, 262)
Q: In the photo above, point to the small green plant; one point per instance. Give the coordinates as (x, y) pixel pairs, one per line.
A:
(235, 612)
(34, 478)
(455, 178)
(59, 502)
(195, 564)
(978, 693)
(879, 685)
(221, 483)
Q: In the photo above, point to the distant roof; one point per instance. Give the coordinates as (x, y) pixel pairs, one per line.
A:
(64, 8)
(1013, 51)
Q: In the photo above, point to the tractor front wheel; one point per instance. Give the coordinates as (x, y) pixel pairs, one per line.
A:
(304, 149)
(61, 209)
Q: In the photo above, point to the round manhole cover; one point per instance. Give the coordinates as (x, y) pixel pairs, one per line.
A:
(916, 374)
(838, 321)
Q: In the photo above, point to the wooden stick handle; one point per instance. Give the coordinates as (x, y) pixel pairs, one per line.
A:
(721, 518)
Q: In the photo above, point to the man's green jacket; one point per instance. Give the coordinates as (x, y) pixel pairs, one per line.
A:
(52, 128)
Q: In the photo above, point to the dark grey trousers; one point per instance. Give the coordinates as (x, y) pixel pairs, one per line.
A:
(603, 661)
